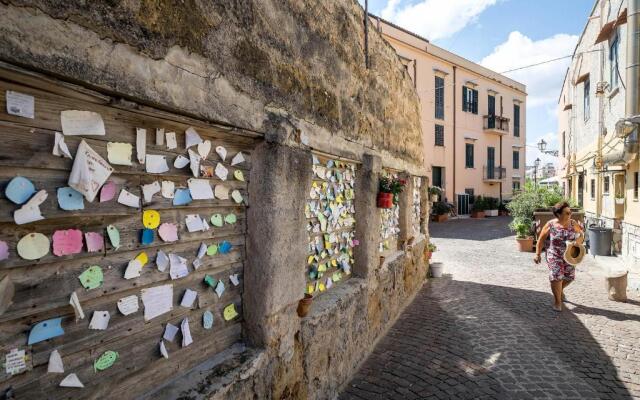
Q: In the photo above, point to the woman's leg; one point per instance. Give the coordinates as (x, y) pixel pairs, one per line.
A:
(556, 289)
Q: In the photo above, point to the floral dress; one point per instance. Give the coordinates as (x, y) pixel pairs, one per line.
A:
(559, 269)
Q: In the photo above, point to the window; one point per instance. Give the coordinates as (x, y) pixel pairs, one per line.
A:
(564, 152)
(438, 176)
(470, 192)
(516, 120)
(606, 185)
(439, 93)
(586, 100)
(469, 100)
(593, 189)
(516, 159)
(636, 183)
(468, 155)
(439, 135)
(515, 185)
(613, 63)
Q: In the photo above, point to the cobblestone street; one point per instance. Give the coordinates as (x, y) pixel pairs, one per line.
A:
(487, 330)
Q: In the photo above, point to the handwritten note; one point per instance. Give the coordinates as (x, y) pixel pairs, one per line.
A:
(157, 301)
(20, 104)
(84, 123)
(89, 172)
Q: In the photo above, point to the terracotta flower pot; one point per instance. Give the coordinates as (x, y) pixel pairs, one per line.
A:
(477, 214)
(304, 305)
(385, 200)
(439, 218)
(525, 244)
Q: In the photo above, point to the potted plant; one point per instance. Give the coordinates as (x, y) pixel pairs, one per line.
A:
(388, 191)
(619, 198)
(491, 204)
(439, 212)
(522, 228)
(304, 304)
(502, 209)
(429, 250)
(434, 193)
(479, 205)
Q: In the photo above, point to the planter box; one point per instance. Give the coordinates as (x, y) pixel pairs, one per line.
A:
(619, 201)
(439, 218)
(385, 200)
(525, 245)
(503, 213)
(477, 214)
(491, 213)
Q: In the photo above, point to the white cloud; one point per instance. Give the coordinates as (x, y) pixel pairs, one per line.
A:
(543, 81)
(435, 19)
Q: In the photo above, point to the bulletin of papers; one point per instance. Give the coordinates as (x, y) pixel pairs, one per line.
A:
(417, 186)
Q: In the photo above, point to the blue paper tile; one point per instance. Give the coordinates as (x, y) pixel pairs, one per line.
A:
(19, 190)
(182, 197)
(70, 199)
(146, 236)
(224, 247)
(45, 330)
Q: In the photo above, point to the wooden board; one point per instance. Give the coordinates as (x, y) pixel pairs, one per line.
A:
(42, 287)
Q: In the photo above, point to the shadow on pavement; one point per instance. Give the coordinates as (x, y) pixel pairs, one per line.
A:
(464, 340)
(472, 229)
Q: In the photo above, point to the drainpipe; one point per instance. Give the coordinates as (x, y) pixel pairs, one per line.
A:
(633, 59)
(501, 177)
(455, 197)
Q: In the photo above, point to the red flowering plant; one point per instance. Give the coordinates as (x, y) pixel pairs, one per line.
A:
(394, 186)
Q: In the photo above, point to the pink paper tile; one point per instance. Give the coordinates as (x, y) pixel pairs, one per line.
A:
(4, 250)
(67, 242)
(95, 241)
(108, 191)
(168, 232)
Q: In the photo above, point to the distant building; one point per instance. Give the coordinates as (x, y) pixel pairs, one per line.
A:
(473, 119)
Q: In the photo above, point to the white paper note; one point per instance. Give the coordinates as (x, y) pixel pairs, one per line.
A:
(200, 189)
(234, 279)
(163, 349)
(222, 152)
(195, 223)
(204, 149)
(202, 250)
(159, 136)
(186, 333)
(119, 153)
(14, 362)
(89, 172)
(141, 144)
(162, 261)
(77, 307)
(237, 159)
(133, 269)
(178, 268)
(156, 164)
(55, 363)
(157, 301)
(30, 211)
(194, 161)
(180, 161)
(99, 320)
(71, 380)
(221, 172)
(170, 332)
(168, 189)
(20, 104)
(60, 148)
(191, 137)
(188, 298)
(128, 199)
(172, 143)
(220, 288)
(128, 305)
(149, 190)
(222, 192)
(85, 123)
(196, 263)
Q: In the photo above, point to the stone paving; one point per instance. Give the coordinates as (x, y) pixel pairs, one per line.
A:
(487, 331)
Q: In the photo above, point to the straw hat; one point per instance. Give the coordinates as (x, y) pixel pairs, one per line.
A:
(574, 253)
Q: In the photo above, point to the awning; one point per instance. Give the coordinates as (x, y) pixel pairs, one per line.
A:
(581, 78)
(605, 32)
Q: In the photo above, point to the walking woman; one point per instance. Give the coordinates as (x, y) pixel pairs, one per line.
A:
(561, 229)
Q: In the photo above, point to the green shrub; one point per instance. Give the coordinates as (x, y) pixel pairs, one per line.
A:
(479, 204)
(492, 203)
(439, 208)
(522, 227)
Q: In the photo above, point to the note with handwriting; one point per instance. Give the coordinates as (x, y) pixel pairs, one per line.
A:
(157, 300)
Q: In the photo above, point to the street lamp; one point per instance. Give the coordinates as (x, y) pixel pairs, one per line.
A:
(536, 164)
(542, 146)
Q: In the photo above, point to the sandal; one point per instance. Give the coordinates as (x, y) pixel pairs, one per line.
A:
(557, 308)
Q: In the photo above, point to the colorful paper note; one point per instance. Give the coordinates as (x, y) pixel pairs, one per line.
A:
(236, 196)
(230, 312)
(99, 320)
(150, 219)
(90, 171)
(67, 242)
(4, 250)
(45, 330)
(224, 247)
(119, 153)
(108, 191)
(33, 246)
(146, 236)
(168, 232)
(95, 241)
(157, 301)
(85, 123)
(19, 190)
(207, 319)
(216, 220)
(230, 219)
(212, 250)
(182, 197)
(238, 175)
(105, 361)
(114, 236)
(156, 164)
(143, 258)
(70, 199)
(92, 277)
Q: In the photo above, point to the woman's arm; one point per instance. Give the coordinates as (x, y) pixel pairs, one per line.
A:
(580, 231)
(544, 233)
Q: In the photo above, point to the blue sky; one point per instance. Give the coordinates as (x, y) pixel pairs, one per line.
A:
(502, 35)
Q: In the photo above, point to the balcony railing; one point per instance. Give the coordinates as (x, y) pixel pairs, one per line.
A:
(494, 174)
(495, 124)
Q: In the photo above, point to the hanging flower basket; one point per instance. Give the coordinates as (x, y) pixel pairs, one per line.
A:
(385, 200)
(388, 191)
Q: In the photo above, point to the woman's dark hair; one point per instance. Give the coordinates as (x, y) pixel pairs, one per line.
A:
(558, 207)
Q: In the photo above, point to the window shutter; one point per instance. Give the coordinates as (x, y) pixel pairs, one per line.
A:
(475, 101)
(464, 98)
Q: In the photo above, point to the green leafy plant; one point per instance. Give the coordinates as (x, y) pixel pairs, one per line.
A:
(492, 203)
(394, 186)
(480, 204)
(431, 247)
(522, 227)
(435, 191)
(439, 208)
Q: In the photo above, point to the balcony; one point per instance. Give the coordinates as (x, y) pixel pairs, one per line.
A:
(493, 174)
(495, 124)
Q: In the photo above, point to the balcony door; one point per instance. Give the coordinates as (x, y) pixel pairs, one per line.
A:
(491, 162)
(438, 177)
(492, 111)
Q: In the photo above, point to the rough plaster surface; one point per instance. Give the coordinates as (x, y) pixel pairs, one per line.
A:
(259, 65)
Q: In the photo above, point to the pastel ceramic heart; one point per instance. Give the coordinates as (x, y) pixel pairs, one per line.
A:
(237, 197)
(230, 219)
(19, 190)
(114, 236)
(221, 192)
(33, 246)
(216, 220)
(204, 149)
(238, 175)
(222, 152)
(212, 250)
(168, 232)
(92, 277)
